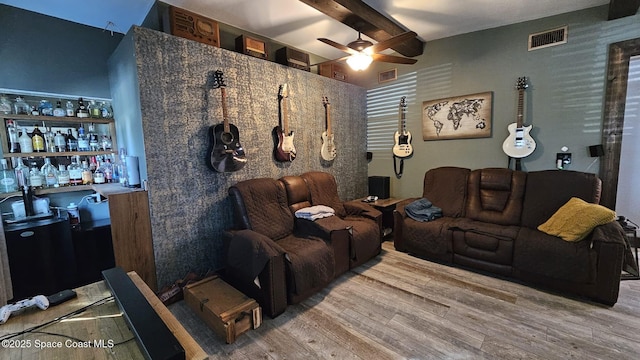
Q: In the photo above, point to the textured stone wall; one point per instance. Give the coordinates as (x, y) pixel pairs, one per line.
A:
(189, 203)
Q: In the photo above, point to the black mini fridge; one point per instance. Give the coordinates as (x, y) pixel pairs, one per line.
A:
(41, 257)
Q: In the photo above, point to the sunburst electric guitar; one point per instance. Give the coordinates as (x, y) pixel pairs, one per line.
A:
(284, 150)
(328, 150)
(225, 154)
(402, 147)
(519, 143)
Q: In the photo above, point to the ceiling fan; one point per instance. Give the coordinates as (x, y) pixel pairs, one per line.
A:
(363, 52)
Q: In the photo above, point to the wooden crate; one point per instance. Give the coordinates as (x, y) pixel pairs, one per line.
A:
(224, 309)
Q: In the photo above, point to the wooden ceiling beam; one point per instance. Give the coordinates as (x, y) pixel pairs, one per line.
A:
(362, 17)
(622, 8)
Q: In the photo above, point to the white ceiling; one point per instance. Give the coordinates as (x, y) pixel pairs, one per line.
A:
(298, 25)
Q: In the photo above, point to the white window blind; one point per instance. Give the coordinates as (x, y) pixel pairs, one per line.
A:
(383, 111)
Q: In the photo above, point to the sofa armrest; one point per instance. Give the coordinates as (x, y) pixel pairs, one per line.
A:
(398, 223)
(337, 232)
(358, 208)
(255, 265)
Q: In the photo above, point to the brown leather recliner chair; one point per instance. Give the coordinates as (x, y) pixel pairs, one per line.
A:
(268, 258)
(364, 220)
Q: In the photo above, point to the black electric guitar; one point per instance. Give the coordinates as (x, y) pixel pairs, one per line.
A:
(284, 150)
(328, 150)
(402, 147)
(519, 143)
(225, 154)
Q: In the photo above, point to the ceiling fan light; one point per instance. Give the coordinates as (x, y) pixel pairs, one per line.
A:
(359, 61)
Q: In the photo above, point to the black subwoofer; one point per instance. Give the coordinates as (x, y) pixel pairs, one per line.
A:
(379, 186)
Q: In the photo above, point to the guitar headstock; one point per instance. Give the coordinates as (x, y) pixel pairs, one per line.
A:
(325, 101)
(218, 79)
(403, 102)
(521, 84)
(283, 91)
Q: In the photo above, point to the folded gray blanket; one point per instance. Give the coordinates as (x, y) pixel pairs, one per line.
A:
(423, 210)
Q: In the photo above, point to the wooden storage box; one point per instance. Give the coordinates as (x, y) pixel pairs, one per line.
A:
(183, 23)
(252, 47)
(334, 71)
(293, 58)
(223, 308)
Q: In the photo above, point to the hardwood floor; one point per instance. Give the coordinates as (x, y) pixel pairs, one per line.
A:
(398, 306)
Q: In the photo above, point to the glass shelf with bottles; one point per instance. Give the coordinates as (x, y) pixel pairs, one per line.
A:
(35, 128)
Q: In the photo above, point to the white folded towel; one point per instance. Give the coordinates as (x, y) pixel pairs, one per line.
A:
(315, 212)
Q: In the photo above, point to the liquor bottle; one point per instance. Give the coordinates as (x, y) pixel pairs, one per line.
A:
(59, 111)
(37, 140)
(87, 176)
(8, 181)
(107, 111)
(59, 142)
(71, 111)
(94, 145)
(83, 140)
(5, 105)
(82, 111)
(94, 110)
(49, 141)
(107, 169)
(36, 179)
(26, 146)
(63, 176)
(22, 173)
(93, 164)
(99, 176)
(75, 171)
(12, 130)
(20, 107)
(72, 142)
(50, 173)
(45, 108)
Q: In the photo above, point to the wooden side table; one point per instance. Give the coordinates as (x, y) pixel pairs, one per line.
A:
(634, 242)
(386, 207)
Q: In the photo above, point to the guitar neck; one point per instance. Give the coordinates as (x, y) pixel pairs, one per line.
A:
(285, 116)
(225, 118)
(328, 116)
(520, 108)
(401, 122)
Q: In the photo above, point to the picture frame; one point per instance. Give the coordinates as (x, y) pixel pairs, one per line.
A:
(458, 117)
(387, 75)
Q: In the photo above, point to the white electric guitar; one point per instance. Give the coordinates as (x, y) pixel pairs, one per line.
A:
(328, 150)
(402, 147)
(519, 143)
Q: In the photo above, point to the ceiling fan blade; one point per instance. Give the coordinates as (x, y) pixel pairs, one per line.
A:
(338, 46)
(393, 59)
(392, 41)
(331, 61)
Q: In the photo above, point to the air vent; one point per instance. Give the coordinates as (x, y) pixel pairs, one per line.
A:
(548, 38)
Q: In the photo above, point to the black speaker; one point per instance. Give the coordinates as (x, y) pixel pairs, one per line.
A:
(379, 186)
(596, 150)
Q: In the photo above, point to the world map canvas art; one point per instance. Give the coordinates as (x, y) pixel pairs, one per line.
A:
(460, 117)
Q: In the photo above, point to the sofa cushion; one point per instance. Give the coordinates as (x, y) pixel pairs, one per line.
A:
(310, 263)
(538, 253)
(546, 191)
(297, 192)
(576, 219)
(495, 196)
(430, 239)
(446, 188)
(265, 203)
(324, 191)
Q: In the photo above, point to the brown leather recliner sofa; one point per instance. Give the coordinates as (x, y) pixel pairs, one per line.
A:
(490, 219)
(279, 259)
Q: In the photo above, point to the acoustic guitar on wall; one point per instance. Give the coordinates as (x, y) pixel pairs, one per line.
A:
(328, 150)
(519, 143)
(284, 150)
(402, 147)
(225, 154)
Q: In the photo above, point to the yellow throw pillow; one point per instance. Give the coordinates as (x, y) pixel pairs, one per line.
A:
(575, 219)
